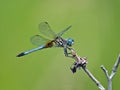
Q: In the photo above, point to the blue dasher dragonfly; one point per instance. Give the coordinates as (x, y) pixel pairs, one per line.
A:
(54, 39)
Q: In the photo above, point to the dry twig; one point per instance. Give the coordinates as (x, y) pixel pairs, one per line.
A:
(114, 70)
(81, 63)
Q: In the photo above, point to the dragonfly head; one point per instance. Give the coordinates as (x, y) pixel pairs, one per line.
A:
(70, 41)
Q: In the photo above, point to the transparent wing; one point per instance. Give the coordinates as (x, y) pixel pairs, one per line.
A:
(62, 32)
(39, 40)
(46, 30)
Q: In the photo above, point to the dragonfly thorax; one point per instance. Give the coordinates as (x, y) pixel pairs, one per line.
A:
(60, 42)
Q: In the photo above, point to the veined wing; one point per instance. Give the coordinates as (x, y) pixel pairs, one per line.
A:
(39, 40)
(46, 30)
(62, 32)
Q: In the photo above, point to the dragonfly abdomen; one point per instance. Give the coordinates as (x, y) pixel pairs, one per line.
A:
(50, 44)
(30, 51)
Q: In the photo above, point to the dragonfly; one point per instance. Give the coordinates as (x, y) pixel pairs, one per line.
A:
(50, 39)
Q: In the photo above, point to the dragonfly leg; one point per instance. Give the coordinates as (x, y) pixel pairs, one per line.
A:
(65, 51)
(68, 54)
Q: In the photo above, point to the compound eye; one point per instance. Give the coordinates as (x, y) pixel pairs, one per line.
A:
(70, 42)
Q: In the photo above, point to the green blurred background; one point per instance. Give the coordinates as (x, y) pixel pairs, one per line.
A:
(95, 29)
